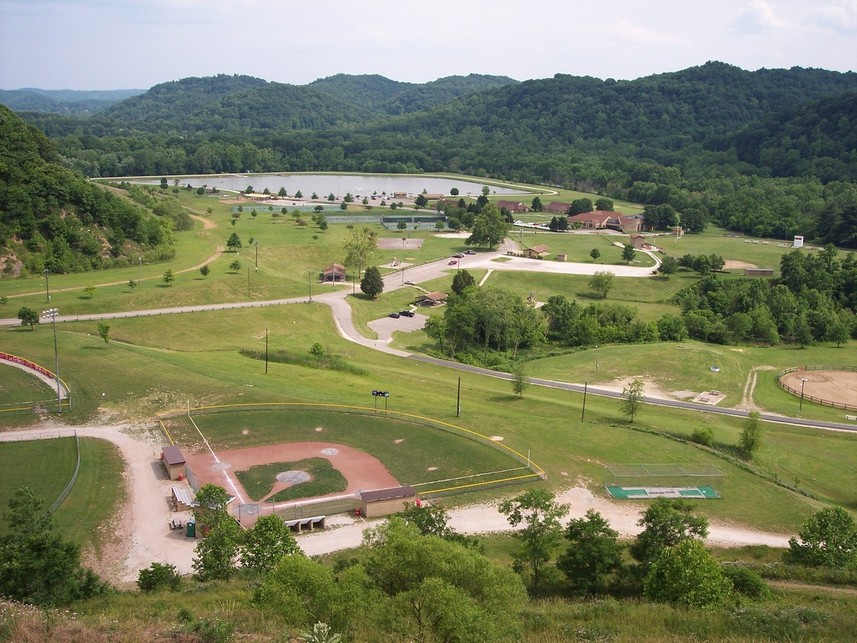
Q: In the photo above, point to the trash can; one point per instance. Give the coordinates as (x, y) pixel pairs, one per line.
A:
(191, 529)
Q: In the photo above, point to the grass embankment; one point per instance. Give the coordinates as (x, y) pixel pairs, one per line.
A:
(90, 511)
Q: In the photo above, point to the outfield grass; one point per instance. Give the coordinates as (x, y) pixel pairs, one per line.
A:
(19, 390)
(413, 451)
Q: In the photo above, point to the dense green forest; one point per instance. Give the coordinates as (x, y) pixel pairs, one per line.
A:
(770, 153)
(53, 218)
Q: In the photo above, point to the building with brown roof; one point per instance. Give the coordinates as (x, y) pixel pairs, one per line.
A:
(536, 252)
(597, 220)
(435, 298)
(557, 207)
(333, 273)
(512, 206)
(174, 462)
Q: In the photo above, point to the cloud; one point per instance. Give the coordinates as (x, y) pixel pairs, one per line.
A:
(838, 16)
(637, 35)
(759, 17)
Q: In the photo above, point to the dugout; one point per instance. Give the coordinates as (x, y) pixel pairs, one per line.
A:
(174, 462)
(383, 502)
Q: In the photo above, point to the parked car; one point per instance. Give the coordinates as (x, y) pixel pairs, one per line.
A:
(394, 315)
(458, 256)
(453, 262)
(406, 313)
(408, 282)
(470, 252)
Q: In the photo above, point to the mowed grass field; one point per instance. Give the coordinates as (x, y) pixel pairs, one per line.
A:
(92, 510)
(157, 363)
(414, 451)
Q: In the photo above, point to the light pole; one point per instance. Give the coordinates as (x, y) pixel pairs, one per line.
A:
(52, 313)
(309, 284)
(140, 262)
(802, 382)
(596, 358)
(257, 254)
(47, 289)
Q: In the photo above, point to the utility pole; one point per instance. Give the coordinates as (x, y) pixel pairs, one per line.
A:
(52, 313)
(47, 290)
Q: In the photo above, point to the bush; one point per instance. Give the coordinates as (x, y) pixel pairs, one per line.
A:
(704, 436)
(746, 582)
(157, 577)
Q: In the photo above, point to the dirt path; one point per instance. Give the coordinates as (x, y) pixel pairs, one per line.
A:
(145, 535)
(143, 527)
(747, 403)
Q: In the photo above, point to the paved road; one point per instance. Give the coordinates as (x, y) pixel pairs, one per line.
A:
(425, 272)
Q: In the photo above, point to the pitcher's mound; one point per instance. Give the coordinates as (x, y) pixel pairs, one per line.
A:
(293, 477)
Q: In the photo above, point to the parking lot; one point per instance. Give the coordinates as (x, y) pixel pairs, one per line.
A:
(386, 326)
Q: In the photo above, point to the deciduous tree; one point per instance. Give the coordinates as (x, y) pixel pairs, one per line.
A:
(360, 248)
(266, 543)
(37, 565)
(828, 538)
(686, 574)
(665, 524)
(632, 396)
(233, 244)
(489, 228)
(28, 317)
(601, 283)
(593, 553)
(542, 532)
(104, 331)
(751, 434)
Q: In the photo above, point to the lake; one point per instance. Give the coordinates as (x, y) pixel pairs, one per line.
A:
(339, 184)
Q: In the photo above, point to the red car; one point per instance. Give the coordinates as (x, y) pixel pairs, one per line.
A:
(453, 262)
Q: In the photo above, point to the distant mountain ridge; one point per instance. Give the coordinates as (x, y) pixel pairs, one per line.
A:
(225, 102)
(63, 101)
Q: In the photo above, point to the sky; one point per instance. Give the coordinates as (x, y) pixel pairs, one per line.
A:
(136, 44)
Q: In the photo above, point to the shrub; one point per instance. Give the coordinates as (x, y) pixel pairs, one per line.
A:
(704, 436)
(159, 576)
(746, 582)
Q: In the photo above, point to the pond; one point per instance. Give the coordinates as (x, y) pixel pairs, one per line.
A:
(362, 185)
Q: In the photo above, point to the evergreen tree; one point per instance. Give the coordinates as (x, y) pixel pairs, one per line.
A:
(372, 283)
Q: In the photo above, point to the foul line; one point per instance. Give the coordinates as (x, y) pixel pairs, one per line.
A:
(216, 459)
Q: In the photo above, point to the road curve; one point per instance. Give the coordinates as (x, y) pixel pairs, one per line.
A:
(342, 316)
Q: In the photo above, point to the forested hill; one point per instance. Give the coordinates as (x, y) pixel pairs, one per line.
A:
(63, 101)
(657, 116)
(390, 97)
(814, 139)
(244, 103)
(54, 218)
(768, 152)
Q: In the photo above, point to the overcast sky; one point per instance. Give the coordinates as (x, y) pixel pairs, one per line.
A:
(123, 44)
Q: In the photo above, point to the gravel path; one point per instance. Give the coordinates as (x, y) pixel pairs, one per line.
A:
(146, 516)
